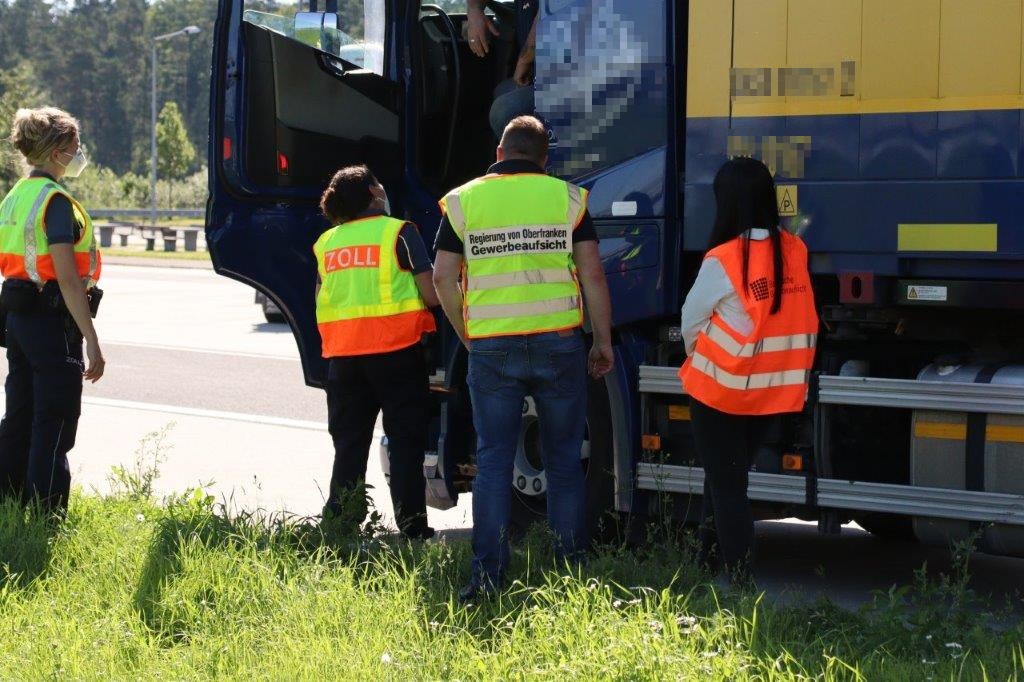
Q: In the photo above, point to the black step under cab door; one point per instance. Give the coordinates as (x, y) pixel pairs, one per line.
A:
(295, 96)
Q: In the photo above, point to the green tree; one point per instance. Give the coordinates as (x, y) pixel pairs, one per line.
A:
(174, 151)
(19, 87)
(184, 72)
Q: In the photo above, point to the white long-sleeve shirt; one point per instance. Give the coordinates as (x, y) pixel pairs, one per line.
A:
(713, 292)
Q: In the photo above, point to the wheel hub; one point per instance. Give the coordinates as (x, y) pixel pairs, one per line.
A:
(528, 476)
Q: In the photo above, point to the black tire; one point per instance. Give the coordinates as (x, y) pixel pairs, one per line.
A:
(273, 318)
(600, 476)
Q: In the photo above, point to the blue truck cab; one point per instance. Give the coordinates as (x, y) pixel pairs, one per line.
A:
(897, 143)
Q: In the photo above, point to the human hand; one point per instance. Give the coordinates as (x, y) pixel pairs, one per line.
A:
(601, 360)
(96, 362)
(524, 71)
(478, 28)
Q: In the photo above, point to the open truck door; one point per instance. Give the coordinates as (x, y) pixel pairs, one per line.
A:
(295, 96)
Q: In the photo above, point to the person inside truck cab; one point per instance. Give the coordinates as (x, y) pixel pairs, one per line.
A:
(50, 265)
(750, 327)
(373, 309)
(513, 97)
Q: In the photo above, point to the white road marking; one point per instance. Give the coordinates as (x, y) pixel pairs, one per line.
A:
(210, 414)
(208, 351)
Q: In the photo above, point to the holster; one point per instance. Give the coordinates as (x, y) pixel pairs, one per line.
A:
(95, 296)
(53, 300)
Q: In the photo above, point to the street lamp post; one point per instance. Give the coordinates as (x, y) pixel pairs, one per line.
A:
(187, 31)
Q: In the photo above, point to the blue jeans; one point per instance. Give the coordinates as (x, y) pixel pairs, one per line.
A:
(510, 100)
(551, 367)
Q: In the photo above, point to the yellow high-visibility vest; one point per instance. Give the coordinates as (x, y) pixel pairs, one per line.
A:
(24, 249)
(367, 302)
(519, 276)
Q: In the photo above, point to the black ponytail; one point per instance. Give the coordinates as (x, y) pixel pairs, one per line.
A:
(745, 199)
(777, 267)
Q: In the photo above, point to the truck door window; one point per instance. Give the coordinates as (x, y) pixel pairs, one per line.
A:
(355, 33)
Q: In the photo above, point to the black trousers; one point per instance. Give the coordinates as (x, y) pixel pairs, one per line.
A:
(44, 401)
(358, 388)
(727, 445)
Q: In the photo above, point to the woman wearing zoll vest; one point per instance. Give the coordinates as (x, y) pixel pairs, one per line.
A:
(750, 326)
(50, 265)
(372, 310)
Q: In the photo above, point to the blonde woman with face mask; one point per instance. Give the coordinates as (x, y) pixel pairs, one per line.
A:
(50, 265)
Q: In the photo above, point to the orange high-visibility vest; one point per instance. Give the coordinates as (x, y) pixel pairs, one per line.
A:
(766, 371)
(367, 303)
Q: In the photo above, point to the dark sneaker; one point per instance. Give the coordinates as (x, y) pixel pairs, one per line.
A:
(421, 533)
(476, 592)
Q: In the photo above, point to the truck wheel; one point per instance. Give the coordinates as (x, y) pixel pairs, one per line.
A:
(529, 484)
(271, 313)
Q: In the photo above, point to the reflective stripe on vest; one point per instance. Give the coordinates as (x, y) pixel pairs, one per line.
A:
(772, 344)
(766, 371)
(24, 250)
(516, 230)
(367, 302)
(751, 382)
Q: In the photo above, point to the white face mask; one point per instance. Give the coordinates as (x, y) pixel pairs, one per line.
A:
(387, 204)
(77, 164)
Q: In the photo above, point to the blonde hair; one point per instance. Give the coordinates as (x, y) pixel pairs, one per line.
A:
(37, 132)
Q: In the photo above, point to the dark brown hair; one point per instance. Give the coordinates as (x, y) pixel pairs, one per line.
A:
(525, 136)
(348, 194)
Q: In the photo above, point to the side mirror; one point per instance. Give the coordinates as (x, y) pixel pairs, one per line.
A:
(309, 29)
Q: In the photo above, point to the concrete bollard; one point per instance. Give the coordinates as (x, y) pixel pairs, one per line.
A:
(106, 235)
(170, 240)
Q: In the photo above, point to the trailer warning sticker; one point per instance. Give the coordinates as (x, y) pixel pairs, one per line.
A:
(788, 200)
(916, 292)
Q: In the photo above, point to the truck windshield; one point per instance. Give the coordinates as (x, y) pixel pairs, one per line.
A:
(355, 33)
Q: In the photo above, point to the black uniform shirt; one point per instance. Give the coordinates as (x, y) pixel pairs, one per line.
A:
(59, 219)
(526, 11)
(448, 240)
(410, 250)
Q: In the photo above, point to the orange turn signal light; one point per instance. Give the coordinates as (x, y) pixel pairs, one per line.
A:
(793, 462)
(651, 441)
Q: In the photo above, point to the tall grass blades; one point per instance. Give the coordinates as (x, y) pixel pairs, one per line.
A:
(129, 589)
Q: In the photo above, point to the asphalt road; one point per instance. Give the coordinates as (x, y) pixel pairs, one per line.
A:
(190, 338)
(189, 350)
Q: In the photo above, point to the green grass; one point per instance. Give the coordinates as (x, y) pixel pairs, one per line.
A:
(158, 254)
(126, 589)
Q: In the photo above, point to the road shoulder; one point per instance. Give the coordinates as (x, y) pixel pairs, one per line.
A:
(158, 262)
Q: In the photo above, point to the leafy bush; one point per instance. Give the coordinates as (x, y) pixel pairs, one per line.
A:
(100, 187)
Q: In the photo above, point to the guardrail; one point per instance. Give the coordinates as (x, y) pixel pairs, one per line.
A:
(146, 213)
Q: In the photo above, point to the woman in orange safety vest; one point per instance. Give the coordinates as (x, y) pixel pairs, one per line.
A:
(750, 328)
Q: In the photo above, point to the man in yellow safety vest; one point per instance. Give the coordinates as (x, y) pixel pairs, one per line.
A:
(513, 251)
